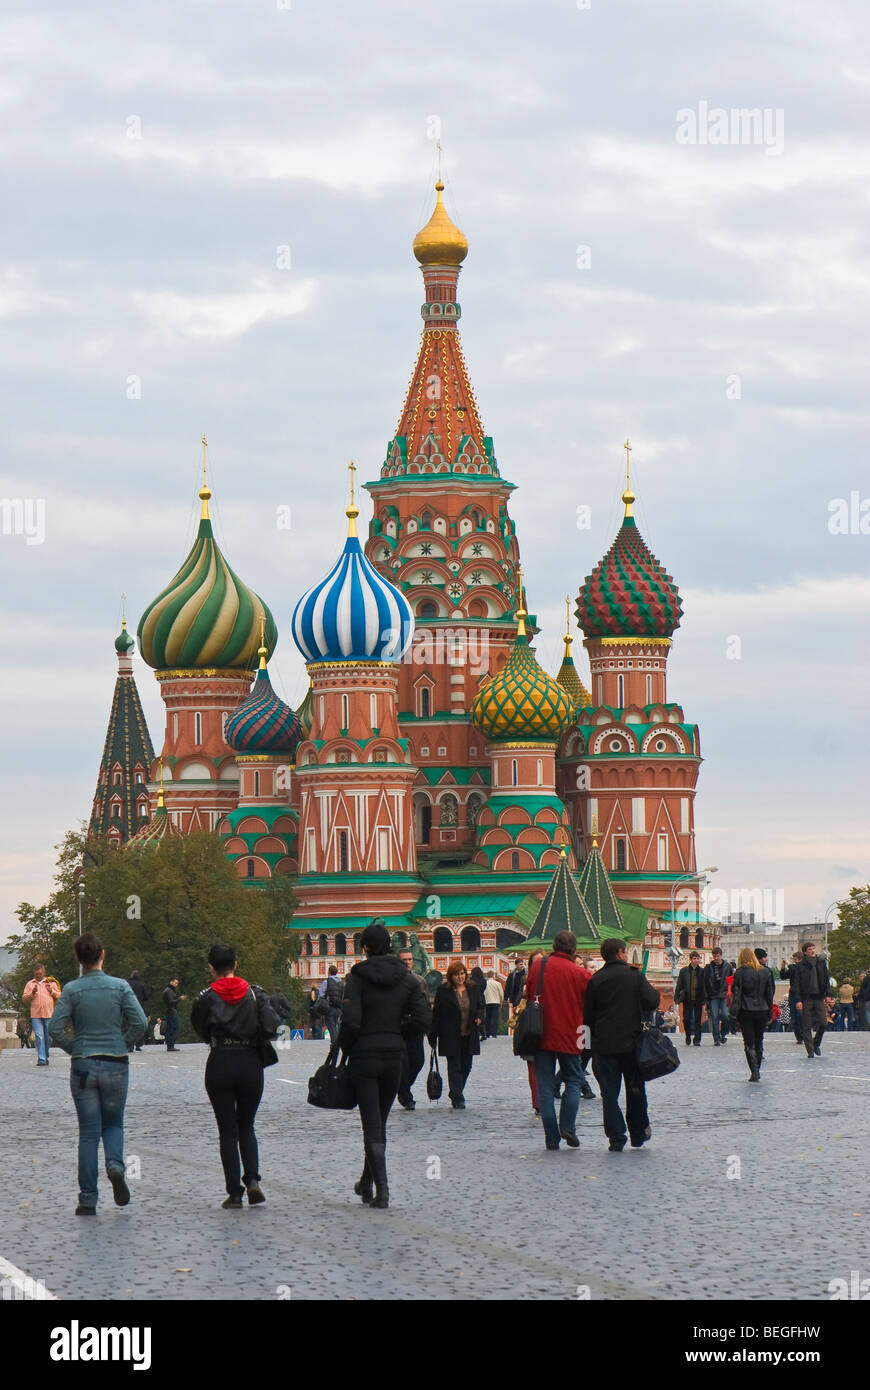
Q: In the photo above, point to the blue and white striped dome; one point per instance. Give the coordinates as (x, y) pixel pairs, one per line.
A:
(353, 614)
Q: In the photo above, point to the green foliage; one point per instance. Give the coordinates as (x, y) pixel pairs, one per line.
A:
(158, 908)
(849, 943)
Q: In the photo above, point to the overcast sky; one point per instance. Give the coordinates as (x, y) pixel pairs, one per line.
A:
(155, 158)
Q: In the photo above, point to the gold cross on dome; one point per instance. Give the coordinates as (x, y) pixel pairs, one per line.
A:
(627, 447)
(351, 468)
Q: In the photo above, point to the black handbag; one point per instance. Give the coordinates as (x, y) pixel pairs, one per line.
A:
(331, 1087)
(264, 1049)
(654, 1052)
(434, 1083)
(529, 1027)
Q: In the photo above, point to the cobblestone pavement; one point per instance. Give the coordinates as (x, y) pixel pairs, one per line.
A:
(504, 1219)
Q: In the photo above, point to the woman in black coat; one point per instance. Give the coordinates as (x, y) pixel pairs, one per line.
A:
(752, 991)
(456, 1017)
(380, 996)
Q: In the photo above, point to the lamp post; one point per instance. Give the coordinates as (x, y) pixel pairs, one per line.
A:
(80, 896)
(672, 951)
(828, 912)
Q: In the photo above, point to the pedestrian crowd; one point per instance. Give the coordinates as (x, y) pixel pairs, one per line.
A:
(378, 1020)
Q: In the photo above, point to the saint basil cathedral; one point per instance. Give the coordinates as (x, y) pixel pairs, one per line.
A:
(435, 775)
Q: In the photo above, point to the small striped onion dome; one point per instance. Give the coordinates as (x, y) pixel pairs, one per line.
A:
(522, 701)
(628, 592)
(353, 614)
(205, 616)
(158, 828)
(263, 723)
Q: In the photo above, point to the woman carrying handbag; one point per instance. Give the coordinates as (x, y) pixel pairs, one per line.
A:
(456, 1018)
(380, 995)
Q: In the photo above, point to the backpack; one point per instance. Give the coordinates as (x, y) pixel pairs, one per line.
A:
(334, 991)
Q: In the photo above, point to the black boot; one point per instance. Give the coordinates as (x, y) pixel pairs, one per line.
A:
(817, 1043)
(363, 1188)
(752, 1059)
(378, 1162)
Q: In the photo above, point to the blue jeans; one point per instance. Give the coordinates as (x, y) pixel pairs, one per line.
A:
(611, 1069)
(718, 1012)
(43, 1042)
(545, 1072)
(99, 1091)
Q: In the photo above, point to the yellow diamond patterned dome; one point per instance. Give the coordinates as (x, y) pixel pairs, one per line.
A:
(522, 701)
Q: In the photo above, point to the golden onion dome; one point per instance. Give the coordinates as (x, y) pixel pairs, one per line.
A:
(522, 701)
(440, 242)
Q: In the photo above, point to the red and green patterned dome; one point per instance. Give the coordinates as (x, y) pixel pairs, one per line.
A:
(628, 593)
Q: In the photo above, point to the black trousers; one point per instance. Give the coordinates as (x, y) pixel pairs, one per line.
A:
(692, 1019)
(492, 1013)
(234, 1084)
(752, 1025)
(376, 1081)
(412, 1059)
(459, 1069)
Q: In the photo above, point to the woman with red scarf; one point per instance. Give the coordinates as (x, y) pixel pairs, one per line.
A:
(235, 1019)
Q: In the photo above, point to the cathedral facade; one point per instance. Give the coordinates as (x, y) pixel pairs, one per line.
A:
(435, 775)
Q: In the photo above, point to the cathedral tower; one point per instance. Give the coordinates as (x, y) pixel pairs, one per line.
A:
(121, 799)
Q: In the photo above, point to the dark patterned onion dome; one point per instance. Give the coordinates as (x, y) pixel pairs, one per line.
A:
(206, 616)
(158, 828)
(628, 592)
(522, 701)
(263, 723)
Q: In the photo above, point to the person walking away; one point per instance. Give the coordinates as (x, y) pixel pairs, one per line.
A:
(752, 997)
(381, 996)
(813, 990)
(95, 1019)
(137, 984)
(846, 998)
(334, 996)
(414, 1053)
(41, 994)
(281, 1006)
(22, 1028)
(455, 1029)
(235, 1019)
(616, 997)
(493, 998)
(716, 990)
(171, 1022)
(514, 990)
(864, 997)
(788, 972)
(690, 993)
(561, 994)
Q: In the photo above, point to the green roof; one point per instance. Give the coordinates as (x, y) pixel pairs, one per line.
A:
(564, 908)
(598, 891)
(523, 907)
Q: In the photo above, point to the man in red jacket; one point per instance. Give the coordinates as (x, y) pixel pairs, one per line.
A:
(561, 996)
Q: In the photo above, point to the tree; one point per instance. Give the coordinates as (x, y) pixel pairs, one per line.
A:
(849, 943)
(158, 907)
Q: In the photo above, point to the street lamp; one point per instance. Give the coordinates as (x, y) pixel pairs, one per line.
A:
(827, 915)
(80, 896)
(672, 951)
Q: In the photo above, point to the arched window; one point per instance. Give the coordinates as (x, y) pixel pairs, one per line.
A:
(356, 946)
(250, 868)
(442, 939)
(515, 860)
(620, 692)
(256, 783)
(425, 702)
(428, 610)
(342, 851)
(472, 808)
(699, 939)
(323, 944)
(469, 939)
(197, 728)
(345, 712)
(620, 856)
(117, 779)
(514, 772)
(449, 810)
(308, 948)
(340, 944)
(139, 779)
(426, 519)
(684, 938)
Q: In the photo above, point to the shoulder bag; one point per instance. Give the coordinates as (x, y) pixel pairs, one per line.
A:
(331, 1087)
(529, 1029)
(654, 1052)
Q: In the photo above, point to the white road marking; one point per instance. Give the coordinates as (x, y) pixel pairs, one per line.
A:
(26, 1287)
(836, 1076)
(290, 1083)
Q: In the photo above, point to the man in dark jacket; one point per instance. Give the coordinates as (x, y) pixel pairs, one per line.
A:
(788, 972)
(616, 996)
(562, 993)
(716, 990)
(813, 990)
(863, 1000)
(137, 984)
(515, 986)
(334, 996)
(415, 1052)
(690, 993)
(171, 1022)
